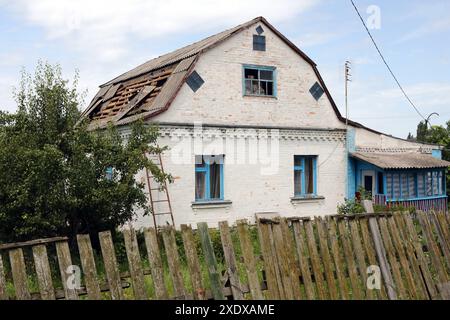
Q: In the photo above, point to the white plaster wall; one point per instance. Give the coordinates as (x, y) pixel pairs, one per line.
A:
(367, 139)
(249, 189)
(220, 100)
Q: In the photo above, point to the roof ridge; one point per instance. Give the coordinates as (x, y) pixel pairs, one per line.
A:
(180, 53)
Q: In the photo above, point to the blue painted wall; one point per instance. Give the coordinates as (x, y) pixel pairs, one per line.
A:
(437, 153)
(351, 178)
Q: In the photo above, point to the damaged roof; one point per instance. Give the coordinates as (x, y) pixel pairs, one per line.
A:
(401, 160)
(148, 89)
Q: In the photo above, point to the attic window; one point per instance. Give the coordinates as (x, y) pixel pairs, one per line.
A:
(194, 81)
(316, 91)
(259, 81)
(259, 43)
(259, 30)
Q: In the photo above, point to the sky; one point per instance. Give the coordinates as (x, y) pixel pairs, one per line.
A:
(104, 38)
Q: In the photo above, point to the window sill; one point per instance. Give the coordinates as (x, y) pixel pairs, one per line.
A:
(298, 199)
(211, 204)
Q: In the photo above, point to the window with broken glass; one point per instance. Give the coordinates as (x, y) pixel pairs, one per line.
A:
(209, 178)
(259, 81)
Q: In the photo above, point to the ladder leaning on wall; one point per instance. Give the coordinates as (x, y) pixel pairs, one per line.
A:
(159, 196)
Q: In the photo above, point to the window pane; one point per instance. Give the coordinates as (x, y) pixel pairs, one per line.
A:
(309, 175)
(298, 182)
(266, 74)
(389, 186)
(396, 182)
(412, 185)
(428, 186)
(405, 188)
(200, 185)
(251, 74)
(263, 88)
(441, 188)
(248, 86)
(420, 185)
(435, 183)
(270, 88)
(214, 180)
(254, 89)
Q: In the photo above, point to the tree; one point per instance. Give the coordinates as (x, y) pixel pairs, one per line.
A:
(53, 173)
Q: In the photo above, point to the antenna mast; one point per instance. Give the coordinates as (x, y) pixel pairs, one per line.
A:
(347, 80)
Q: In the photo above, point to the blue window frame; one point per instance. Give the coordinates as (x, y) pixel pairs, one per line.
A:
(419, 184)
(305, 176)
(259, 81)
(209, 182)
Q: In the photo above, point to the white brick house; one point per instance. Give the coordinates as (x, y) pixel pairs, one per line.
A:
(257, 103)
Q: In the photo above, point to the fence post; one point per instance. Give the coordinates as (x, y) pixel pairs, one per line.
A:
(381, 251)
(3, 295)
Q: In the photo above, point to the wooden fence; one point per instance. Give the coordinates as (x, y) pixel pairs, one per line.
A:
(296, 258)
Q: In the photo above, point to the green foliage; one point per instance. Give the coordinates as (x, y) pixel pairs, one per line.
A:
(350, 206)
(53, 172)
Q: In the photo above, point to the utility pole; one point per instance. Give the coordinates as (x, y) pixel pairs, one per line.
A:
(347, 80)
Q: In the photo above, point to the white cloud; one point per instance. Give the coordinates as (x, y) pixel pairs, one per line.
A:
(103, 27)
(427, 29)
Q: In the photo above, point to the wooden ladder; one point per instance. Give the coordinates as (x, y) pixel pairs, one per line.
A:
(159, 207)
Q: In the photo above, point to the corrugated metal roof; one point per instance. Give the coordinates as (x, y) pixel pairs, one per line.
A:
(401, 160)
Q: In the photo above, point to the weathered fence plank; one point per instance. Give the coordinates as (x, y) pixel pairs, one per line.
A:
(88, 265)
(211, 263)
(283, 261)
(432, 247)
(339, 263)
(135, 264)
(292, 258)
(230, 260)
(301, 246)
(422, 260)
(110, 262)
(156, 266)
(396, 273)
(249, 260)
(315, 260)
(380, 250)
(43, 272)
(360, 257)
(326, 258)
(364, 225)
(411, 255)
(173, 259)
(66, 270)
(19, 274)
(3, 294)
(193, 262)
(441, 237)
(398, 245)
(271, 268)
(357, 293)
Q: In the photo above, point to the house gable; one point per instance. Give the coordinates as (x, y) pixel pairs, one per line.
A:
(222, 99)
(116, 100)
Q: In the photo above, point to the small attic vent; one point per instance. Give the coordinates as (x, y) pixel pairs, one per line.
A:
(259, 30)
(259, 43)
(194, 81)
(316, 91)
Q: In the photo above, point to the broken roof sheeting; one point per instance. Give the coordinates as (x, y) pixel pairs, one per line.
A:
(401, 160)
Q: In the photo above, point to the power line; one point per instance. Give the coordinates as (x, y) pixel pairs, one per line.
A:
(385, 62)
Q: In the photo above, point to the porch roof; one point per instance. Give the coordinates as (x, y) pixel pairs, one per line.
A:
(401, 160)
